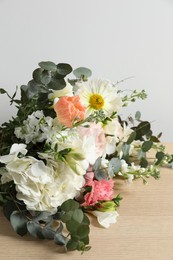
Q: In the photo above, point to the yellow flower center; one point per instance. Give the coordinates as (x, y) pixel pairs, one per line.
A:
(96, 101)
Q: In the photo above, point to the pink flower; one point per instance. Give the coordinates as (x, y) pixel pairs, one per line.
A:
(69, 109)
(101, 190)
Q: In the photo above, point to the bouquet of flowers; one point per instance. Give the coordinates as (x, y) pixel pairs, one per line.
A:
(60, 154)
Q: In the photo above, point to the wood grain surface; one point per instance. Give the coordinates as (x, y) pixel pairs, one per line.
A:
(144, 229)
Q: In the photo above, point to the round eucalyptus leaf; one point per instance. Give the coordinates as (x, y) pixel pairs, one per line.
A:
(48, 65)
(37, 75)
(56, 84)
(69, 205)
(146, 146)
(82, 72)
(34, 229)
(64, 69)
(78, 215)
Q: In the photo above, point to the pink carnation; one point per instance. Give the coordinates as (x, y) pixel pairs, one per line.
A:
(101, 190)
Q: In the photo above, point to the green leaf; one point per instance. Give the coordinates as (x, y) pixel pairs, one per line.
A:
(43, 216)
(37, 75)
(114, 166)
(48, 233)
(86, 220)
(159, 156)
(56, 84)
(64, 69)
(78, 215)
(138, 115)
(34, 229)
(72, 226)
(2, 91)
(72, 245)
(143, 163)
(60, 239)
(48, 65)
(67, 216)
(144, 127)
(69, 205)
(154, 139)
(125, 150)
(146, 146)
(83, 231)
(131, 137)
(45, 77)
(100, 174)
(82, 72)
(19, 222)
(97, 164)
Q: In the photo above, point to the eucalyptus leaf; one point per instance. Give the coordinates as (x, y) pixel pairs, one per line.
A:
(37, 75)
(82, 72)
(83, 231)
(69, 205)
(114, 166)
(143, 163)
(146, 146)
(72, 245)
(45, 77)
(97, 164)
(48, 65)
(159, 156)
(144, 127)
(78, 215)
(60, 239)
(34, 229)
(131, 137)
(19, 223)
(100, 174)
(72, 226)
(56, 84)
(64, 69)
(48, 233)
(138, 115)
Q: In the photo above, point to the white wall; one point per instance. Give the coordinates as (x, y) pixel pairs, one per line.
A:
(115, 38)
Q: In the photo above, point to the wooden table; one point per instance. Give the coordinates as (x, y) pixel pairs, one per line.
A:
(144, 229)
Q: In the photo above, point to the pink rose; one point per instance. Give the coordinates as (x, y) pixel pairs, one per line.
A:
(69, 109)
(101, 190)
(94, 131)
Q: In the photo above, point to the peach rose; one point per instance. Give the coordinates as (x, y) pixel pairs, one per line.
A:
(69, 109)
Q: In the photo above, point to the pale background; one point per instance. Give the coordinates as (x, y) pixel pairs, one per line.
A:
(115, 38)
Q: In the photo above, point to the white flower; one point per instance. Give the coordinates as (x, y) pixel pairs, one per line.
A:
(42, 187)
(105, 218)
(100, 94)
(14, 151)
(35, 128)
(114, 132)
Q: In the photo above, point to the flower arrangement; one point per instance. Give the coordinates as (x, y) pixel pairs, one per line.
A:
(60, 155)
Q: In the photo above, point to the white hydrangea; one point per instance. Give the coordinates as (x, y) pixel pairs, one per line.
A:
(42, 187)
